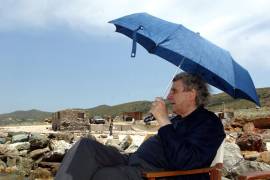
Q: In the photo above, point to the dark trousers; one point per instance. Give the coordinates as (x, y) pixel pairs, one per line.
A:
(91, 160)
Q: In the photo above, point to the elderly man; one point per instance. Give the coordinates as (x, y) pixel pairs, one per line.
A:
(190, 140)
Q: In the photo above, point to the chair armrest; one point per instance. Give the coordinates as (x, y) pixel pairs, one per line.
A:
(255, 175)
(176, 173)
(218, 166)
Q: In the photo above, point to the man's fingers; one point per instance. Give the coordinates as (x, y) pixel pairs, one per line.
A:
(158, 99)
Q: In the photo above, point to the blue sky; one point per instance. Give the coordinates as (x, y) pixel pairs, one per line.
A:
(57, 54)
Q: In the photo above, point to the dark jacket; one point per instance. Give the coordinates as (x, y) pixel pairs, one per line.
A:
(187, 143)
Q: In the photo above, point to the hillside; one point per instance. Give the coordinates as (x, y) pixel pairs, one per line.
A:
(24, 117)
(217, 103)
(142, 106)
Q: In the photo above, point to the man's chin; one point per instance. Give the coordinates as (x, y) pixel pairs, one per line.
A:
(173, 108)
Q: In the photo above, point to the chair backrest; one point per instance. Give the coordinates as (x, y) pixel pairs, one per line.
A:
(219, 156)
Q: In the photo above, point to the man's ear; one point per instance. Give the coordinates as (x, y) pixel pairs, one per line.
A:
(193, 94)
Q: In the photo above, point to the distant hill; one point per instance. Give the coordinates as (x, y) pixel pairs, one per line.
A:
(24, 117)
(102, 110)
(217, 102)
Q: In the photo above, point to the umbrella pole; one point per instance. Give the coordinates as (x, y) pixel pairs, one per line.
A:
(169, 84)
(150, 117)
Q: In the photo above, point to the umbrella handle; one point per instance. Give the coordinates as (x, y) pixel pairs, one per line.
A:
(134, 41)
(134, 45)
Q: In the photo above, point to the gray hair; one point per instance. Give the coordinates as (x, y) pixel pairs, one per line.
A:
(192, 81)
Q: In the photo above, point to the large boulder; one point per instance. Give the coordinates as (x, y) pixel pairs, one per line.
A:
(53, 157)
(59, 147)
(20, 146)
(38, 141)
(6, 149)
(251, 142)
(248, 166)
(262, 123)
(35, 154)
(232, 157)
(21, 137)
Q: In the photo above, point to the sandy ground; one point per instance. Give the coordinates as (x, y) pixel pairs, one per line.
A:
(33, 128)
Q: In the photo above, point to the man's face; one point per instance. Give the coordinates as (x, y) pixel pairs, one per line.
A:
(179, 98)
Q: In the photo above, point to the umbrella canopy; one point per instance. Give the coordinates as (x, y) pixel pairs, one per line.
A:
(189, 51)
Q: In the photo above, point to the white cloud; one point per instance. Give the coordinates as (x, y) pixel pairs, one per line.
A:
(205, 15)
(239, 26)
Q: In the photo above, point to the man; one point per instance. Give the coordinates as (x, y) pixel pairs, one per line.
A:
(188, 141)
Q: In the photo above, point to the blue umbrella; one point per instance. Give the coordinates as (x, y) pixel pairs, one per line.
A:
(189, 51)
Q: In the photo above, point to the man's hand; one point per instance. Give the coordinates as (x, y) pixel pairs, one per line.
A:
(160, 112)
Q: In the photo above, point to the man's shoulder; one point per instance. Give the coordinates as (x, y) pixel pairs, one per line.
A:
(208, 113)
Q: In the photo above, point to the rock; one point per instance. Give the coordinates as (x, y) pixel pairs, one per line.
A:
(38, 141)
(224, 178)
(11, 170)
(23, 153)
(262, 123)
(250, 155)
(103, 136)
(23, 137)
(232, 156)
(53, 157)
(21, 146)
(2, 164)
(131, 149)
(265, 157)
(251, 142)
(268, 146)
(25, 166)
(53, 166)
(59, 147)
(2, 140)
(249, 127)
(113, 142)
(11, 161)
(68, 137)
(126, 142)
(10, 134)
(40, 173)
(38, 152)
(248, 166)
(6, 149)
(231, 136)
(115, 136)
(266, 135)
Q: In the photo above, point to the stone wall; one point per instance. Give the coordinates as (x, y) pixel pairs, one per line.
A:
(70, 119)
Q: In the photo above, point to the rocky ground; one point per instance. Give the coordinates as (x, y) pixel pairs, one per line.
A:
(37, 151)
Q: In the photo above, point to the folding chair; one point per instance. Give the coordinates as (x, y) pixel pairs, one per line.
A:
(255, 175)
(214, 170)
